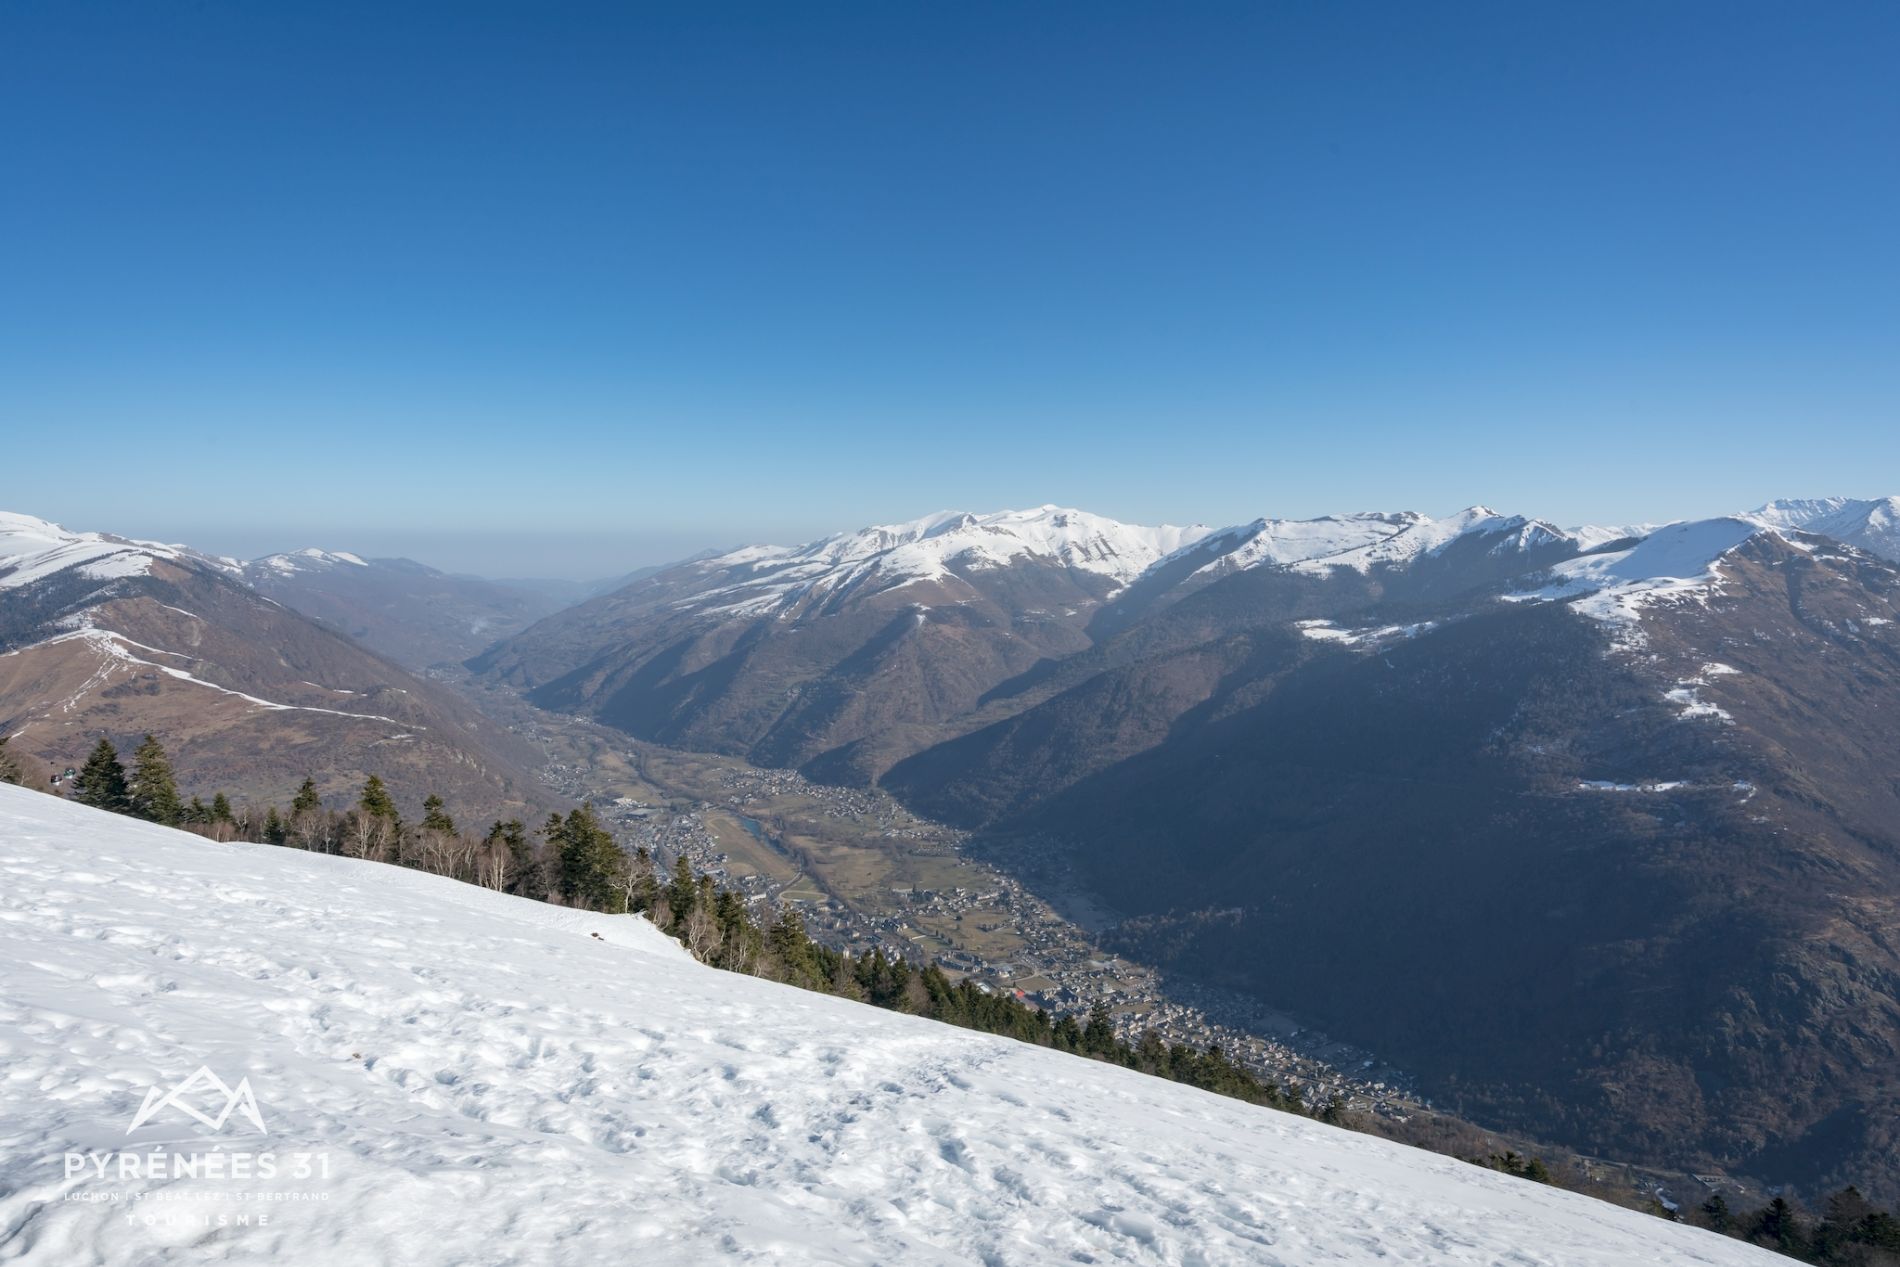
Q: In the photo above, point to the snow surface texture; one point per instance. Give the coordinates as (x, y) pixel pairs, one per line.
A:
(492, 1080)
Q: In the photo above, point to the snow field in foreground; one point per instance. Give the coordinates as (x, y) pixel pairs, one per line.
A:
(491, 1080)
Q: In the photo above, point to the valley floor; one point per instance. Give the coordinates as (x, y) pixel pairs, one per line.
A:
(490, 1080)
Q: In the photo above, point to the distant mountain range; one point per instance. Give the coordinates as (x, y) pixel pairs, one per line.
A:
(1597, 830)
(105, 635)
(412, 613)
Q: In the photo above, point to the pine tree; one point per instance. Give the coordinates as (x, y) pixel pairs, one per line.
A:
(643, 886)
(10, 771)
(1098, 1036)
(1716, 1213)
(221, 809)
(102, 780)
(376, 801)
(433, 817)
(792, 948)
(306, 801)
(1778, 1227)
(153, 791)
(681, 891)
(275, 833)
(589, 859)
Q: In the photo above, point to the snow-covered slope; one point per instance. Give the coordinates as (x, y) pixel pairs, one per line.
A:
(936, 548)
(1675, 561)
(1684, 560)
(32, 550)
(470, 1078)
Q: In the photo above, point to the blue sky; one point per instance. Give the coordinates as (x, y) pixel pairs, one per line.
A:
(569, 288)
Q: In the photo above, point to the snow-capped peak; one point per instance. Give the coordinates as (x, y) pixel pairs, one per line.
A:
(32, 549)
(1280, 542)
(309, 559)
(1075, 538)
(941, 547)
(1871, 525)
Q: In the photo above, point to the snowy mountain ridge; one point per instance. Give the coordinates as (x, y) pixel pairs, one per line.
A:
(34, 549)
(310, 559)
(1873, 526)
(467, 1077)
(933, 549)
(1683, 561)
(757, 580)
(1279, 542)
(1425, 536)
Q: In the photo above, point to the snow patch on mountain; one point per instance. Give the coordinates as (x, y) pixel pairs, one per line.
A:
(1687, 697)
(471, 1078)
(1327, 631)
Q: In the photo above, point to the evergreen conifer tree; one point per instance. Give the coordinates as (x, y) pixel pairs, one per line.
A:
(102, 780)
(434, 818)
(306, 801)
(589, 858)
(10, 771)
(792, 947)
(275, 833)
(1098, 1036)
(681, 891)
(221, 809)
(376, 800)
(1778, 1227)
(153, 791)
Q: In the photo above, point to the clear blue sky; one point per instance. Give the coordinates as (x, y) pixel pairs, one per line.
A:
(547, 288)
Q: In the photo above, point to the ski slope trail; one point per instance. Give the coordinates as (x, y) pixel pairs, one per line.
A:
(489, 1080)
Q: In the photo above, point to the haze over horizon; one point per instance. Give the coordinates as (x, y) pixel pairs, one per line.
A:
(521, 293)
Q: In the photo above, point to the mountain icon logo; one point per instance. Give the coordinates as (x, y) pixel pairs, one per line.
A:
(198, 1086)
